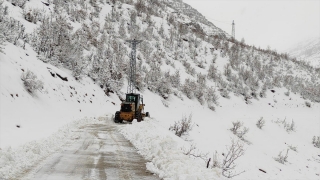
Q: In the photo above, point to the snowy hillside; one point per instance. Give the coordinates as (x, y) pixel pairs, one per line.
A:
(62, 61)
(307, 51)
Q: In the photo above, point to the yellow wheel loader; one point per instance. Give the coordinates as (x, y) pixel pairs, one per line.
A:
(131, 108)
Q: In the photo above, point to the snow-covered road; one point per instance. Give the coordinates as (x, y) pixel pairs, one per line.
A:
(101, 153)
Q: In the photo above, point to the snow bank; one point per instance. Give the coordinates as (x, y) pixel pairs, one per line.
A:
(14, 162)
(164, 151)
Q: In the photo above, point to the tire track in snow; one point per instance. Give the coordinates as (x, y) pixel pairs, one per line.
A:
(101, 153)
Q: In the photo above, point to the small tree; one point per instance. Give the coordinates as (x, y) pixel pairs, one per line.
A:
(316, 141)
(31, 81)
(282, 158)
(260, 123)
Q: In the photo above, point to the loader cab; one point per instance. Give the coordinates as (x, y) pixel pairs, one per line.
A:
(133, 98)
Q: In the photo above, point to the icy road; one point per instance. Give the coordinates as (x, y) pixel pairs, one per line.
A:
(101, 153)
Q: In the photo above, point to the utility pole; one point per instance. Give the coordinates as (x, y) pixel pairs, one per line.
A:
(233, 30)
(132, 74)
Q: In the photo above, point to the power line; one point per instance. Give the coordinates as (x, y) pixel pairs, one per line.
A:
(225, 22)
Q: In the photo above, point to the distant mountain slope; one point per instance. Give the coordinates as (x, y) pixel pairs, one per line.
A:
(195, 16)
(308, 51)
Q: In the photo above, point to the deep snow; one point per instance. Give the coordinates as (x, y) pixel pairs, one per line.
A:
(43, 119)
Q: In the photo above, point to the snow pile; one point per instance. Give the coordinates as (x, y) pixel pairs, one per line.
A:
(164, 150)
(13, 162)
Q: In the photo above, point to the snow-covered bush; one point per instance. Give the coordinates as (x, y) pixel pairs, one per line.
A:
(227, 71)
(211, 96)
(32, 15)
(211, 107)
(11, 29)
(31, 81)
(19, 3)
(140, 7)
(287, 93)
(260, 123)
(224, 93)
(316, 141)
(183, 126)
(1, 40)
(282, 158)
(175, 79)
(188, 88)
(189, 69)
(239, 130)
(2, 28)
(308, 104)
(212, 72)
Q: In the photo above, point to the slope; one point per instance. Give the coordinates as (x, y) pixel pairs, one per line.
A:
(184, 66)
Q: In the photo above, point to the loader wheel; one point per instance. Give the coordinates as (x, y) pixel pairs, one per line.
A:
(147, 114)
(138, 116)
(117, 117)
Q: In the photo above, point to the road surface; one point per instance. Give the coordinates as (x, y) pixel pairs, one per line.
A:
(101, 153)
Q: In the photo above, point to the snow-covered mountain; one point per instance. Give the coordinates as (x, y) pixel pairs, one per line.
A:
(307, 51)
(65, 60)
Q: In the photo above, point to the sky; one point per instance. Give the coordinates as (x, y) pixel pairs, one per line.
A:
(279, 24)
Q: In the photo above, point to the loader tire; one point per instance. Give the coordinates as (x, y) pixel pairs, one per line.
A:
(138, 116)
(117, 117)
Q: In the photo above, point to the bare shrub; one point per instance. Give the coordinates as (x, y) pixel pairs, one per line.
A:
(192, 151)
(316, 141)
(260, 123)
(282, 158)
(183, 126)
(228, 165)
(239, 130)
(31, 81)
(227, 162)
(165, 103)
(293, 148)
(289, 127)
